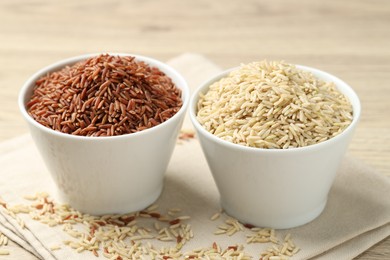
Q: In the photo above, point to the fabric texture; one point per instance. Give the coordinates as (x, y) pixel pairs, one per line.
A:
(356, 216)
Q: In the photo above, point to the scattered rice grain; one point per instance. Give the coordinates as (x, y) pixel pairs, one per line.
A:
(4, 252)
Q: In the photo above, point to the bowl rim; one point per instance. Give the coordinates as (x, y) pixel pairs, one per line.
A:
(175, 76)
(342, 86)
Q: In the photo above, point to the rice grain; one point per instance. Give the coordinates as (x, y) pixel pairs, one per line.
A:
(104, 95)
(273, 105)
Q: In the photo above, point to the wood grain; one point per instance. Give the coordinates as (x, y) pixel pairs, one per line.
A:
(350, 39)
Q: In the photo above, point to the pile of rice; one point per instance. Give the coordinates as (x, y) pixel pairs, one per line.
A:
(273, 105)
(105, 95)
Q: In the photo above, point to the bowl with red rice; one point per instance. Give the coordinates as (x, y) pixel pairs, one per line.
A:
(105, 126)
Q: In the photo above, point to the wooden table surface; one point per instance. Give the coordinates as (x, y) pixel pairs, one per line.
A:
(350, 39)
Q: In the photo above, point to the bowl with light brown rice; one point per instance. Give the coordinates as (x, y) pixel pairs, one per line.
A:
(274, 135)
(105, 126)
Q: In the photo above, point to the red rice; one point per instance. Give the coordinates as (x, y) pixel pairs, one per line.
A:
(104, 96)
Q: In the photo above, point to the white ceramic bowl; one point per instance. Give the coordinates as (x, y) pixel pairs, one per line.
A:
(101, 175)
(278, 188)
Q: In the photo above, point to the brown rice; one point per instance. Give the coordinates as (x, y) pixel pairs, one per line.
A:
(273, 105)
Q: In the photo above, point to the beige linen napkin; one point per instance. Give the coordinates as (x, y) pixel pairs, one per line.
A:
(356, 217)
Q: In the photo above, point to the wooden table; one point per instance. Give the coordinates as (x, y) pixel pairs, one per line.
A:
(350, 39)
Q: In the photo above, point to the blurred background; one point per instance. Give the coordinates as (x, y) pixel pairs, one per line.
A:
(348, 38)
